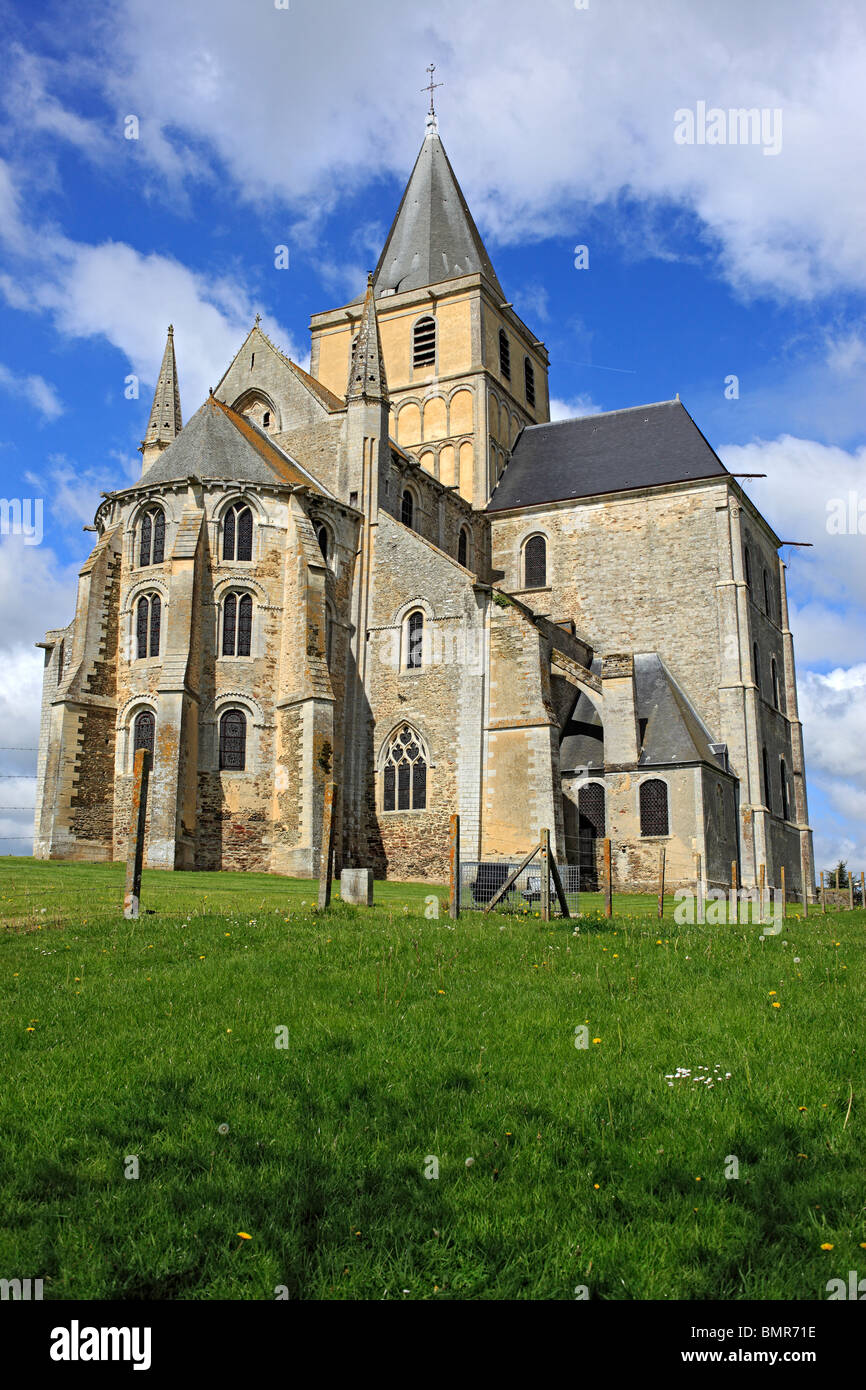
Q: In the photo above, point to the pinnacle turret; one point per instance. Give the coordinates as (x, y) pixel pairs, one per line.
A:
(165, 422)
(367, 369)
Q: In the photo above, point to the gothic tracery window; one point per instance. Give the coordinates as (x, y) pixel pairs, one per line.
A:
(238, 533)
(151, 537)
(233, 741)
(535, 563)
(415, 641)
(237, 625)
(653, 797)
(143, 731)
(405, 773)
(148, 619)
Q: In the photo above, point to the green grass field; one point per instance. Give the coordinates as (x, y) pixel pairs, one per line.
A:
(409, 1040)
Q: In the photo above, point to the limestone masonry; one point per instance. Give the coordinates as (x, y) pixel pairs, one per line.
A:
(394, 572)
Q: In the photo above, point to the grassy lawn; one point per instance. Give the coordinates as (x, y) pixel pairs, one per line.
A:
(408, 1040)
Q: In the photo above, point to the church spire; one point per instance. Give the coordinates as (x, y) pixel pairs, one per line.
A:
(433, 236)
(165, 422)
(367, 370)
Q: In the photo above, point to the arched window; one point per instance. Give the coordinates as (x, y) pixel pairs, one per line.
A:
(529, 382)
(322, 538)
(266, 419)
(233, 741)
(405, 773)
(504, 355)
(407, 508)
(151, 537)
(148, 616)
(766, 593)
(424, 342)
(237, 625)
(238, 533)
(463, 547)
(774, 681)
(756, 666)
(535, 563)
(590, 810)
(747, 566)
(765, 766)
(143, 731)
(784, 775)
(654, 807)
(415, 640)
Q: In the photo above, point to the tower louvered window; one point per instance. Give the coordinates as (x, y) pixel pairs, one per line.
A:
(654, 807)
(151, 548)
(535, 563)
(148, 615)
(504, 355)
(405, 774)
(590, 807)
(237, 625)
(143, 732)
(784, 774)
(233, 741)
(765, 765)
(238, 533)
(424, 343)
(529, 382)
(747, 567)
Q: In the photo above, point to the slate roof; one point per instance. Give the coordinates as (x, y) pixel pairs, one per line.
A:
(219, 443)
(433, 236)
(674, 731)
(643, 446)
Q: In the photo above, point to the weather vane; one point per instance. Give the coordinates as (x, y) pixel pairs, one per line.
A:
(431, 87)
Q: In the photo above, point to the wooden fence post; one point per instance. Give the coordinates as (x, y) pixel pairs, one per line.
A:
(784, 894)
(661, 882)
(862, 888)
(454, 868)
(762, 874)
(734, 914)
(608, 882)
(700, 888)
(326, 861)
(137, 818)
(545, 875)
(850, 892)
(823, 897)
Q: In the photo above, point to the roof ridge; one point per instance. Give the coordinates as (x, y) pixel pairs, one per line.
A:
(603, 414)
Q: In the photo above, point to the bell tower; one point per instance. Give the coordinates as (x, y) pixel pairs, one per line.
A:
(465, 374)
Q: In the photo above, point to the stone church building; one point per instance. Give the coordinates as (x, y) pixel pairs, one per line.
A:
(395, 572)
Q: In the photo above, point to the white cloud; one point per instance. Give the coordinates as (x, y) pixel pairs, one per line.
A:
(575, 109)
(128, 298)
(570, 410)
(35, 389)
(833, 710)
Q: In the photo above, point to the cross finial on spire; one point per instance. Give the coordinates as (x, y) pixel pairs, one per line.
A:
(431, 87)
(258, 319)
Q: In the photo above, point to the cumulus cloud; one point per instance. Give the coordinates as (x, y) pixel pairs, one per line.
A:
(127, 297)
(576, 109)
(569, 410)
(833, 709)
(34, 389)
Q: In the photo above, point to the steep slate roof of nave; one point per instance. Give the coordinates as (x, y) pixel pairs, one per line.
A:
(642, 446)
(220, 443)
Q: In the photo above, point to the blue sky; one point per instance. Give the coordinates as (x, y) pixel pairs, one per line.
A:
(260, 126)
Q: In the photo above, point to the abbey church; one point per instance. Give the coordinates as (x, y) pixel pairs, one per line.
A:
(395, 573)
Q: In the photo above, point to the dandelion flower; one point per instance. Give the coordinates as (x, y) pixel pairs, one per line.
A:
(244, 1235)
(596, 1040)
(469, 1162)
(776, 1006)
(596, 1186)
(222, 1129)
(826, 1245)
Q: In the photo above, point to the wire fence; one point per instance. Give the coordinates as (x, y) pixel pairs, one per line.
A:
(481, 880)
